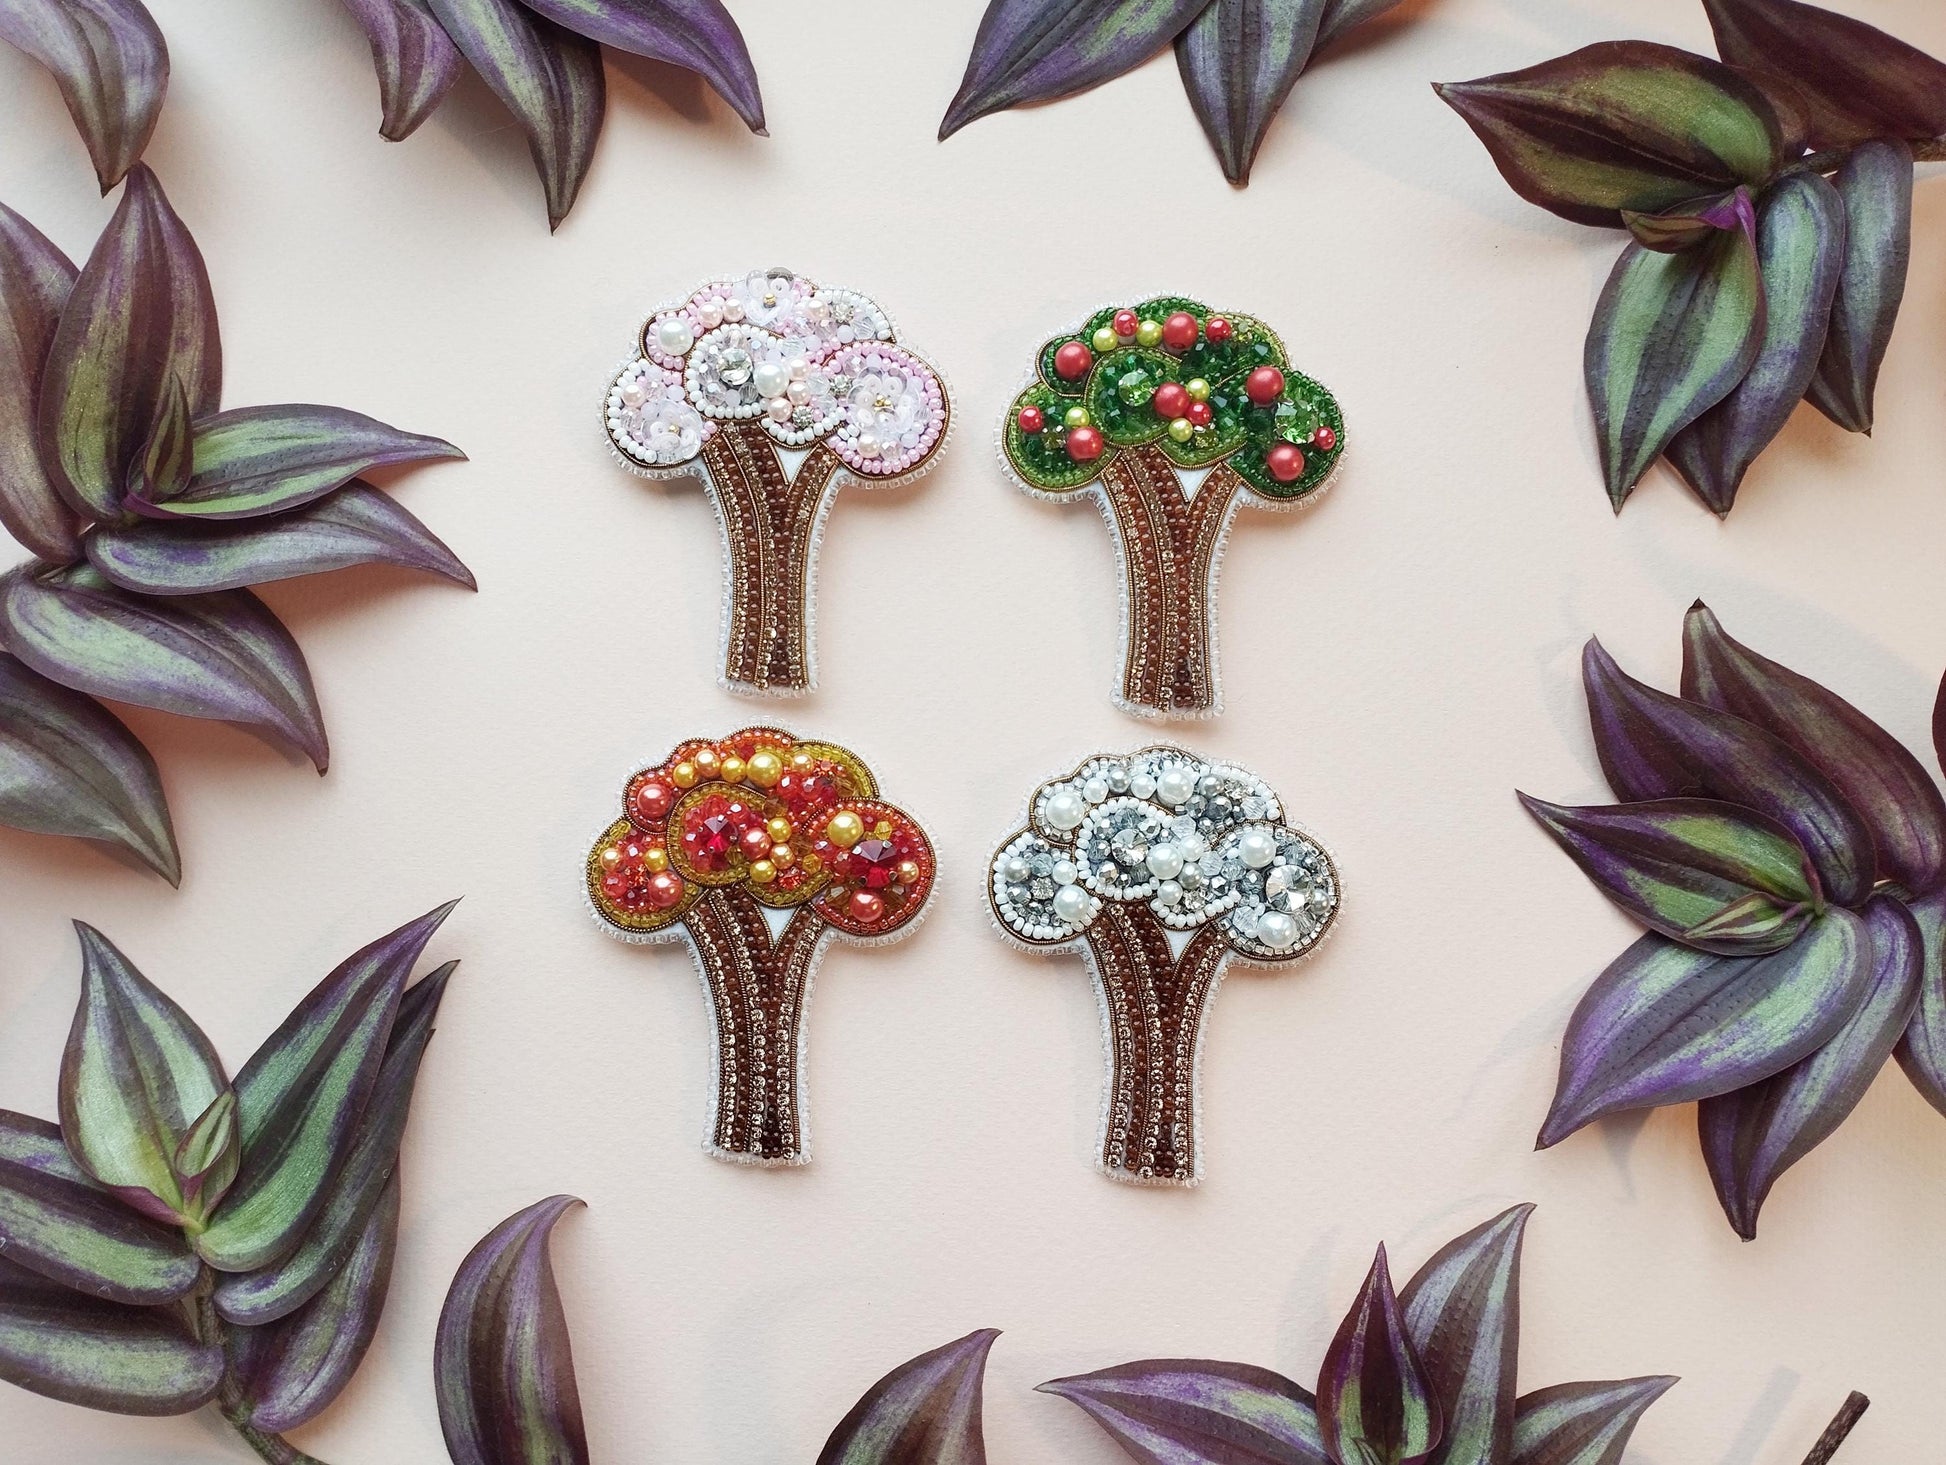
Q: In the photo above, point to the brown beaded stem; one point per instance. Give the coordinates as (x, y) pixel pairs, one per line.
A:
(769, 521)
(1839, 1429)
(1155, 1006)
(1168, 544)
(756, 988)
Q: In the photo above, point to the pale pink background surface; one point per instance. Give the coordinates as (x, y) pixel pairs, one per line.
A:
(1397, 662)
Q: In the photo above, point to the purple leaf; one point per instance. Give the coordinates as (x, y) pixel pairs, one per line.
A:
(35, 279)
(926, 1410)
(1239, 60)
(416, 61)
(100, 1354)
(69, 766)
(222, 656)
(301, 1098)
(697, 35)
(1853, 80)
(1666, 1024)
(1922, 1050)
(502, 1363)
(1800, 251)
(1036, 50)
(1342, 15)
(548, 77)
(1621, 125)
(140, 312)
(1678, 864)
(1375, 1404)
(1190, 1411)
(1753, 1135)
(1582, 1424)
(111, 64)
(1654, 746)
(1869, 767)
(162, 466)
(1876, 185)
(1687, 225)
(1462, 1312)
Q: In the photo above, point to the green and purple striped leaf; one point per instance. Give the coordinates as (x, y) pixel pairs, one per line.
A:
(1582, 1424)
(928, 1409)
(135, 1077)
(1689, 224)
(221, 656)
(1753, 1135)
(1800, 251)
(1853, 81)
(547, 76)
(206, 1160)
(302, 1096)
(1873, 771)
(1666, 1024)
(1462, 1312)
(162, 467)
(100, 1354)
(1654, 746)
(1376, 1406)
(35, 279)
(1678, 865)
(69, 766)
(1239, 60)
(1034, 51)
(503, 1367)
(1621, 125)
(416, 61)
(1193, 1411)
(289, 1371)
(110, 61)
(140, 312)
(1342, 15)
(1922, 1050)
(1876, 185)
(697, 35)
(57, 1221)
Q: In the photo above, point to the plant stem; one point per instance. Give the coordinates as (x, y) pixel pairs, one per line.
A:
(274, 1448)
(1841, 1424)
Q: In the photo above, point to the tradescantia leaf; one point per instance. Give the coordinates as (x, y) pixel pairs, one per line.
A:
(1690, 224)
(1654, 746)
(100, 1354)
(1876, 185)
(1666, 1024)
(1036, 50)
(697, 35)
(162, 465)
(1853, 81)
(56, 1221)
(1621, 125)
(35, 279)
(1800, 252)
(112, 66)
(135, 1077)
(1872, 770)
(1191, 1411)
(1342, 15)
(416, 61)
(1376, 1405)
(221, 656)
(1462, 1312)
(1239, 60)
(927, 1409)
(206, 1159)
(140, 312)
(301, 1096)
(502, 1363)
(1922, 1050)
(547, 76)
(1582, 1424)
(69, 766)
(1678, 864)
(1753, 1135)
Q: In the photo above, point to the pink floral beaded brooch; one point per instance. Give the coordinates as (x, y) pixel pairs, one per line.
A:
(1171, 416)
(751, 850)
(774, 390)
(1159, 868)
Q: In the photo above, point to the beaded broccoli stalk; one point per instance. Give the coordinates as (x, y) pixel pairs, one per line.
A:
(1173, 415)
(774, 391)
(752, 849)
(1159, 868)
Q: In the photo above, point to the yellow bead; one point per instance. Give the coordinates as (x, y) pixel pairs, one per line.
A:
(683, 775)
(908, 872)
(1182, 429)
(810, 864)
(782, 856)
(1197, 388)
(1075, 417)
(655, 859)
(733, 769)
(883, 829)
(1148, 332)
(1106, 340)
(762, 872)
(764, 768)
(801, 762)
(611, 857)
(706, 761)
(845, 830)
(779, 829)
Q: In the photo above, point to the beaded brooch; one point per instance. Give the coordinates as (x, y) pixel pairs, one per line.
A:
(774, 390)
(751, 850)
(1159, 868)
(1171, 416)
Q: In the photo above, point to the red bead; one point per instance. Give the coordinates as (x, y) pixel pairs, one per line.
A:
(1084, 444)
(613, 884)
(665, 890)
(1072, 361)
(756, 842)
(1179, 331)
(1125, 322)
(1218, 329)
(1286, 462)
(1170, 400)
(651, 801)
(1031, 420)
(1264, 385)
(1325, 438)
(866, 908)
(1199, 413)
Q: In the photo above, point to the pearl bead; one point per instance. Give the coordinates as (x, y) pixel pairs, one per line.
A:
(733, 310)
(1199, 414)
(1095, 790)
(1264, 385)
(764, 768)
(1276, 930)
(866, 908)
(1125, 323)
(798, 392)
(1175, 785)
(1218, 329)
(1197, 388)
(1075, 417)
(845, 830)
(1066, 872)
(1031, 419)
(1017, 870)
(1171, 399)
(1325, 438)
(674, 334)
(779, 409)
(1084, 444)
(770, 378)
(1072, 361)
(1285, 462)
(710, 314)
(1256, 847)
(1142, 786)
(1181, 430)
(1179, 331)
(1148, 332)
(1168, 895)
(1065, 810)
(733, 768)
(1071, 904)
(762, 872)
(1165, 861)
(634, 393)
(1105, 340)
(799, 368)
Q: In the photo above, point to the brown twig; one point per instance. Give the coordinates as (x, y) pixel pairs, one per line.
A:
(1848, 1415)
